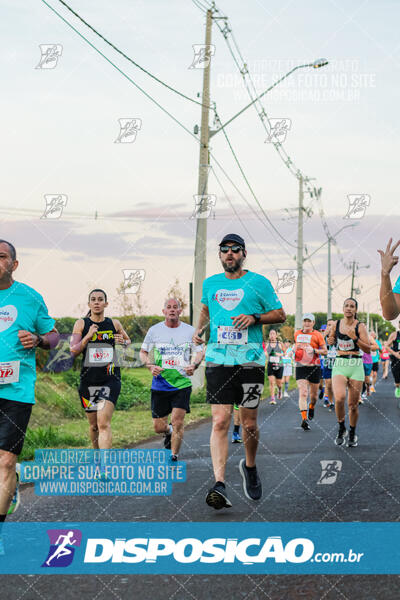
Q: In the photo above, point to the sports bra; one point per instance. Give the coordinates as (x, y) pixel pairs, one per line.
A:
(344, 342)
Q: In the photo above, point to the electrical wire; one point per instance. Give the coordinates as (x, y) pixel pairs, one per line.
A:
(169, 87)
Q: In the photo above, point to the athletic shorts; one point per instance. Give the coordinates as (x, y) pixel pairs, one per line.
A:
(93, 397)
(14, 419)
(375, 366)
(162, 402)
(272, 371)
(352, 368)
(287, 370)
(326, 373)
(395, 366)
(311, 373)
(238, 384)
(367, 369)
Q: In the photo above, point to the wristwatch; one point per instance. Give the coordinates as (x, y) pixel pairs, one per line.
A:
(257, 317)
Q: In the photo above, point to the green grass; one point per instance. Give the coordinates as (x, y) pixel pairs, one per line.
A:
(58, 420)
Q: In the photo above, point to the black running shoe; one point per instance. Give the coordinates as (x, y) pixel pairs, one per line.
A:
(310, 413)
(217, 498)
(342, 433)
(352, 442)
(174, 457)
(167, 441)
(305, 425)
(251, 482)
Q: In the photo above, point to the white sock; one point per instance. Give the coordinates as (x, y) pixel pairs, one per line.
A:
(169, 430)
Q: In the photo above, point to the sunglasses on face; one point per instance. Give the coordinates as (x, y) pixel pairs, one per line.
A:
(235, 249)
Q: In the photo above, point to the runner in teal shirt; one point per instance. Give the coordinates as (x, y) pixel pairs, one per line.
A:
(227, 298)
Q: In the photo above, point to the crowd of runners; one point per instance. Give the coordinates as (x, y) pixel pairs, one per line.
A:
(339, 360)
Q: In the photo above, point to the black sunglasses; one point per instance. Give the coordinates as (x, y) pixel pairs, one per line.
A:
(235, 249)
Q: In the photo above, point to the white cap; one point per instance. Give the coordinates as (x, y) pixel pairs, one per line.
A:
(309, 316)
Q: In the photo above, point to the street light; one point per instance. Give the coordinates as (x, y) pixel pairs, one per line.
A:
(320, 62)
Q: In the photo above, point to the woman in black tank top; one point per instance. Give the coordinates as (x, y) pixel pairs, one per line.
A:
(393, 347)
(350, 336)
(95, 336)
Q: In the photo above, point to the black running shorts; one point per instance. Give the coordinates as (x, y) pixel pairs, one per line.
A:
(272, 370)
(311, 373)
(375, 366)
(162, 402)
(14, 419)
(238, 384)
(395, 365)
(94, 396)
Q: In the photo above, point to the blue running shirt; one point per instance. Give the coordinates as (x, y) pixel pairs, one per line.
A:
(227, 298)
(21, 307)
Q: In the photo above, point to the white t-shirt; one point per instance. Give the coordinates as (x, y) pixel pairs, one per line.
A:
(173, 349)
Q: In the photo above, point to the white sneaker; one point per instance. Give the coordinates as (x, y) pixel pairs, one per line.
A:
(285, 394)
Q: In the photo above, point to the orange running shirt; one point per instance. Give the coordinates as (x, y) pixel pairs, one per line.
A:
(305, 344)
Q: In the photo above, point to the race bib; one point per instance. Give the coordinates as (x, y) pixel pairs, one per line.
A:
(9, 372)
(100, 356)
(303, 338)
(331, 353)
(274, 359)
(346, 345)
(229, 335)
(173, 361)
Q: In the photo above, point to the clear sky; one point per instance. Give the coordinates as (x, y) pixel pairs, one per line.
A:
(59, 128)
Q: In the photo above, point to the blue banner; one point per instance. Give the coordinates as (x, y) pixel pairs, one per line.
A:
(192, 548)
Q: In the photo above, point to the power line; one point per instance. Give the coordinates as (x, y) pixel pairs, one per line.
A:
(251, 189)
(172, 89)
(121, 71)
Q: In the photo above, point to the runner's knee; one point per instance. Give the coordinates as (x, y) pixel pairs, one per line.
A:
(7, 461)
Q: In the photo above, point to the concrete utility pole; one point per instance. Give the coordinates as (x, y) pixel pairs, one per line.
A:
(300, 260)
(353, 268)
(329, 311)
(200, 252)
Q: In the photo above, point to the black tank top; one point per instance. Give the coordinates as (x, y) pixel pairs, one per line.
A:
(344, 342)
(396, 344)
(99, 355)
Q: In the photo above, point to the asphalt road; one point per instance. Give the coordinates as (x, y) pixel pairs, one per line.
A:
(366, 489)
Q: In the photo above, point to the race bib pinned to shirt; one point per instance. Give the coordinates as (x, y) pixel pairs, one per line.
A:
(274, 359)
(346, 345)
(9, 372)
(304, 338)
(230, 335)
(332, 353)
(100, 356)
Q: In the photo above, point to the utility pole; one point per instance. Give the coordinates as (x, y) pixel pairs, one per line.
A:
(329, 311)
(200, 252)
(300, 260)
(353, 269)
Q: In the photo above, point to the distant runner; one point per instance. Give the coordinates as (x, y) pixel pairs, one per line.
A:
(274, 350)
(309, 345)
(287, 361)
(328, 362)
(169, 354)
(376, 348)
(236, 303)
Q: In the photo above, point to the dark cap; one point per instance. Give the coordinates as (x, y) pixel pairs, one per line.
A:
(232, 237)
